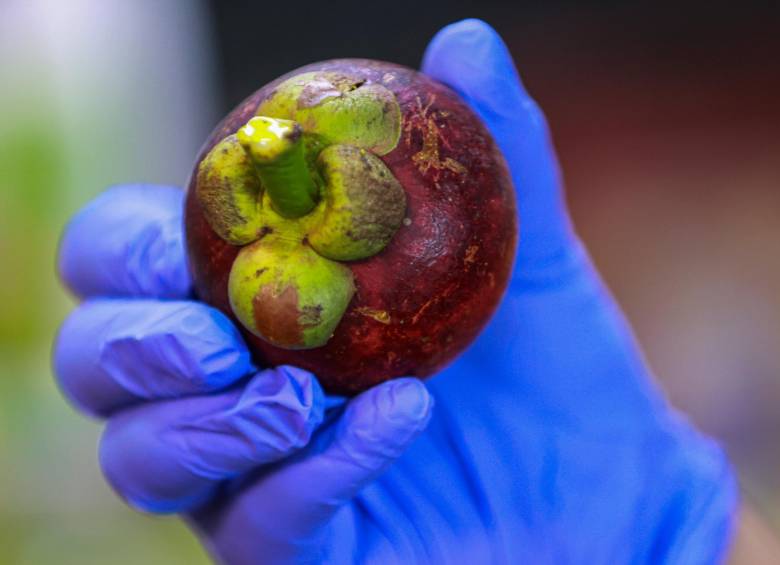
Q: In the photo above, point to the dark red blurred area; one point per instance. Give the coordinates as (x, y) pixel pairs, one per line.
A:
(671, 154)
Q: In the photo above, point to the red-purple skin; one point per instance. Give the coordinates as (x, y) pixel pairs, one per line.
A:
(440, 278)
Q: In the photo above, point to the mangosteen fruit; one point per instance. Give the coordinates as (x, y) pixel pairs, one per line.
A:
(354, 218)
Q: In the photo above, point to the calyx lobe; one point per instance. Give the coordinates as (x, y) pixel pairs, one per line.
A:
(301, 186)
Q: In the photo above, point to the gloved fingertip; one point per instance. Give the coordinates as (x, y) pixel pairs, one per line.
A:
(471, 57)
(76, 346)
(380, 423)
(456, 36)
(405, 401)
(128, 241)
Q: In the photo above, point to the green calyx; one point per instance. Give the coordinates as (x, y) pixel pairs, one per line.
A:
(287, 294)
(364, 204)
(275, 148)
(229, 189)
(302, 188)
(335, 108)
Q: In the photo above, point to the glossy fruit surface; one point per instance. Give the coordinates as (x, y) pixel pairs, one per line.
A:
(347, 277)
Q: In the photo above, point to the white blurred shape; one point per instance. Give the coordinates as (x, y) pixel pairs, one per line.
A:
(131, 83)
(125, 92)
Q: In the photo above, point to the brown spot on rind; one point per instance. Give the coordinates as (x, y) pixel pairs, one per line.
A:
(381, 316)
(311, 316)
(316, 92)
(277, 317)
(325, 86)
(346, 83)
(295, 133)
(423, 308)
(429, 158)
(471, 253)
(454, 166)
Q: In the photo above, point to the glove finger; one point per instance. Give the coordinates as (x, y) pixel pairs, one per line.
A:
(287, 507)
(111, 353)
(470, 57)
(169, 456)
(127, 242)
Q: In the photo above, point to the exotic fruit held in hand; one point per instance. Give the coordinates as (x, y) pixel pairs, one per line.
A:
(356, 219)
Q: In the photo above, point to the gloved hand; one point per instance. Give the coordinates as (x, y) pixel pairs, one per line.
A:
(549, 442)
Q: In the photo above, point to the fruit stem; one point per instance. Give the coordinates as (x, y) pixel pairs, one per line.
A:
(275, 147)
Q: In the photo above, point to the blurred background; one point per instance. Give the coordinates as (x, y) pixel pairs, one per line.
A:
(666, 117)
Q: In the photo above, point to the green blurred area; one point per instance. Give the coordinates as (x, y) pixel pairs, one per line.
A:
(83, 105)
(55, 506)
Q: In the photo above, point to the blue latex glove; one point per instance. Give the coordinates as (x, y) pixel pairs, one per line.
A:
(549, 442)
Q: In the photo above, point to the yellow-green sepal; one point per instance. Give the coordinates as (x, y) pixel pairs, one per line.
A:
(364, 204)
(285, 293)
(228, 190)
(336, 108)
